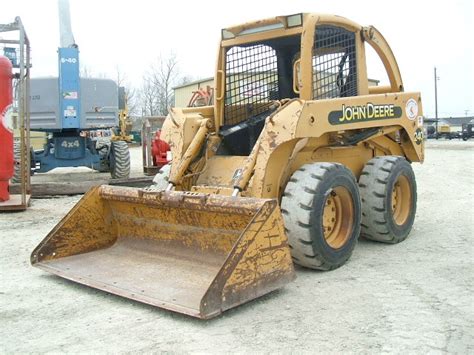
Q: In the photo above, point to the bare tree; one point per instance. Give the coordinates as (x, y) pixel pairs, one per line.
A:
(130, 92)
(165, 74)
(85, 71)
(185, 79)
(157, 87)
(148, 97)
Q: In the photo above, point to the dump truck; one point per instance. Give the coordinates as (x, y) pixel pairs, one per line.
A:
(296, 159)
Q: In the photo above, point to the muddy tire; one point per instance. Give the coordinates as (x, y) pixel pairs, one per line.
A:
(161, 179)
(119, 160)
(388, 192)
(102, 146)
(321, 210)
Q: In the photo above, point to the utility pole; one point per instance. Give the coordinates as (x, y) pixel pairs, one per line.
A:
(436, 78)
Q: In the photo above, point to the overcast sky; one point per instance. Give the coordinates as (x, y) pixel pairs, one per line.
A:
(132, 34)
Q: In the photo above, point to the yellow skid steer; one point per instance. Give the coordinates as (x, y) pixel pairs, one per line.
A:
(297, 158)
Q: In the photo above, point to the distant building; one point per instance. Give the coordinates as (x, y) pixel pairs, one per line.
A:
(183, 93)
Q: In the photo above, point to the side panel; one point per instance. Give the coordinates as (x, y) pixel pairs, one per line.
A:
(44, 104)
(388, 124)
(98, 104)
(353, 158)
(370, 111)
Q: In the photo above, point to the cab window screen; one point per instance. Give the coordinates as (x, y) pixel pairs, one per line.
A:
(334, 63)
(251, 82)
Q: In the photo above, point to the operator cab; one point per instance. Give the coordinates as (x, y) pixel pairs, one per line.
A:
(261, 74)
(258, 75)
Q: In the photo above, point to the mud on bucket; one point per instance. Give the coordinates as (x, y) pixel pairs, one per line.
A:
(191, 253)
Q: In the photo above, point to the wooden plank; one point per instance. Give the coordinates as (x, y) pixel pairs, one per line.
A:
(40, 189)
(60, 188)
(14, 203)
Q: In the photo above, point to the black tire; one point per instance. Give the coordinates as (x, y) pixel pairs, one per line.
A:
(32, 161)
(102, 147)
(16, 178)
(306, 204)
(388, 193)
(119, 160)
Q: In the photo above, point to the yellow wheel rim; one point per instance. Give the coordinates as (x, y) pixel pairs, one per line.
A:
(338, 217)
(401, 200)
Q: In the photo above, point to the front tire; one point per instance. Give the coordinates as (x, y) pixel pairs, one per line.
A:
(119, 160)
(388, 192)
(321, 210)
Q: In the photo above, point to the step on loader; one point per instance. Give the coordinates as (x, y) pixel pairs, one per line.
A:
(296, 159)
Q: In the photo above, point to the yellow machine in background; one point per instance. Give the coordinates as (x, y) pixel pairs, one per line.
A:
(125, 123)
(297, 158)
(445, 131)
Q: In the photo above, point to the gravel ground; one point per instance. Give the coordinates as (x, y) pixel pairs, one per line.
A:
(414, 297)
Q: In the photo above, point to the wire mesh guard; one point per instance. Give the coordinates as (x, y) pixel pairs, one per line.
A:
(252, 82)
(334, 63)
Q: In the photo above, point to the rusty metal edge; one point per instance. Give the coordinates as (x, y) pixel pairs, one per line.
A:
(80, 187)
(182, 199)
(52, 232)
(281, 282)
(224, 272)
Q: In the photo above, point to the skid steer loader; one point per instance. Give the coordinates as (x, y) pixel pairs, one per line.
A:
(297, 158)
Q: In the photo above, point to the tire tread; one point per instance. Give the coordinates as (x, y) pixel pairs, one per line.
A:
(297, 203)
(373, 185)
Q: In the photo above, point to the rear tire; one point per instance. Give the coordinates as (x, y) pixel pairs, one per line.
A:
(102, 147)
(388, 192)
(119, 160)
(321, 210)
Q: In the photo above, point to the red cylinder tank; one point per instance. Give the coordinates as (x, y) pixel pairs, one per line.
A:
(6, 135)
(159, 150)
(6, 90)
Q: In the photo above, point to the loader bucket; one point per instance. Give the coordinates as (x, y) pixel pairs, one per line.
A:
(191, 253)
